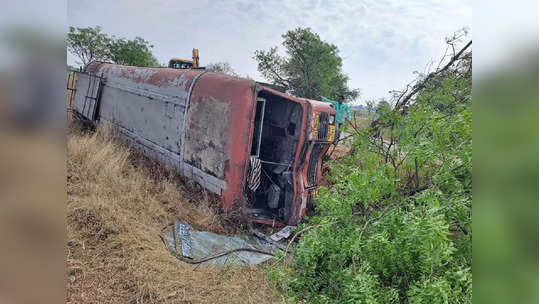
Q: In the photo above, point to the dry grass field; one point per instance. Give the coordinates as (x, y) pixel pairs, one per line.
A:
(118, 204)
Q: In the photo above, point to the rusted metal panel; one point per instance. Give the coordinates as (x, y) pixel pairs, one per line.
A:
(148, 105)
(206, 138)
(218, 131)
(198, 122)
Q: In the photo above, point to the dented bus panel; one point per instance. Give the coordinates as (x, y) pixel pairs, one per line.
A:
(257, 148)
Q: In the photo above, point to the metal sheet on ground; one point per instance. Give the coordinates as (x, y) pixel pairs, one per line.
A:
(205, 244)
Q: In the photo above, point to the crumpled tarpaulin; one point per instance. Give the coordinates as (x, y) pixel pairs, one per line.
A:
(189, 245)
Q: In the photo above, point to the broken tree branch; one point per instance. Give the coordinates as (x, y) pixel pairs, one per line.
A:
(422, 84)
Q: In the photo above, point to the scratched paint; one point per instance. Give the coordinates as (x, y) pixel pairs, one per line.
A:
(205, 146)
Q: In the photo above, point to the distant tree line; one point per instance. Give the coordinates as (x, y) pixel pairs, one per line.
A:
(221, 67)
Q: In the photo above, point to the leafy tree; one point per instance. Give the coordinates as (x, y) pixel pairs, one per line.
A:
(382, 103)
(311, 68)
(382, 107)
(136, 52)
(88, 44)
(221, 67)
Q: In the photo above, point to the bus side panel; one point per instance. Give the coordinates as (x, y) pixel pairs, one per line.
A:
(148, 107)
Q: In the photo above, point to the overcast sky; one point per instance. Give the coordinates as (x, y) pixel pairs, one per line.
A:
(381, 42)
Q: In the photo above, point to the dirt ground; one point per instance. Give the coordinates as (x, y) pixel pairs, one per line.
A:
(336, 152)
(117, 207)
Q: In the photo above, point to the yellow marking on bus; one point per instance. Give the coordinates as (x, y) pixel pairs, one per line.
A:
(315, 126)
(331, 135)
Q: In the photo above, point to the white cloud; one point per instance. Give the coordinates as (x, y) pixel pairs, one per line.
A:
(381, 42)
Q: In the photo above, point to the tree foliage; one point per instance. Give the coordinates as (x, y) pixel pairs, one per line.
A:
(311, 68)
(395, 227)
(88, 44)
(221, 67)
(91, 44)
(136, 52)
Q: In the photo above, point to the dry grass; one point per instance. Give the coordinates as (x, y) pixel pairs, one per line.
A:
(117, 206)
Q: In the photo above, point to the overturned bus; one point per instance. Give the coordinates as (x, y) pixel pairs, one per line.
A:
(255, 147)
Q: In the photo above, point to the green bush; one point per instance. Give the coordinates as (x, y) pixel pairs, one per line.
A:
(395, 226)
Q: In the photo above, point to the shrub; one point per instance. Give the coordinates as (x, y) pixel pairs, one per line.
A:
(395, 226)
